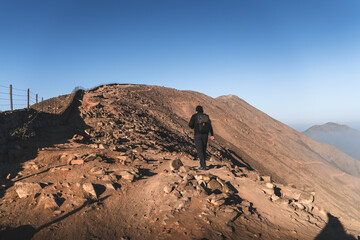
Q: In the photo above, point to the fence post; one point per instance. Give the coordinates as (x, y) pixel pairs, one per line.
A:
(36, 98)
(28, 95)
(11, 99)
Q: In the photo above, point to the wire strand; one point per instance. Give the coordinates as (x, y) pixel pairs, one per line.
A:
(4, 86)
(19, 95)
(18, 89)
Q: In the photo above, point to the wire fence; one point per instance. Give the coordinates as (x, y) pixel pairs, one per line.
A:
(12, 98)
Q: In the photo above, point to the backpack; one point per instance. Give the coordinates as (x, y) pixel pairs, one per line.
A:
(203, 123)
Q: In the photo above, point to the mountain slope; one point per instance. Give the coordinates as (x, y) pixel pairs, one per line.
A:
(340, 136)
(103, 168)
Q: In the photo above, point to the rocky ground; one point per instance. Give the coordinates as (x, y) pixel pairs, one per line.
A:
(113, 164)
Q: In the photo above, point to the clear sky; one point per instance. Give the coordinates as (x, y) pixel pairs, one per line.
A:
(296, 60)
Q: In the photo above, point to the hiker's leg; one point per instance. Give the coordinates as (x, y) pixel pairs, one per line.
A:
(204, 141)
(200, 149)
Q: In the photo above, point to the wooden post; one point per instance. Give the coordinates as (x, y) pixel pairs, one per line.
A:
(36, 98)
(28, 105)
(11, 99)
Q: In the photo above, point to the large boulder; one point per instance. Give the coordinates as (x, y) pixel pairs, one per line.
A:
(24, 189)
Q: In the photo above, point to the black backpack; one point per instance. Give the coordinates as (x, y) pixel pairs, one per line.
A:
(203, 122)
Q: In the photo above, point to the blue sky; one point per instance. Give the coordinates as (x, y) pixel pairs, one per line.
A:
(298, 61)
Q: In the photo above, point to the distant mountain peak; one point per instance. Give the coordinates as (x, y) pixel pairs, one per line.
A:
(330, 126)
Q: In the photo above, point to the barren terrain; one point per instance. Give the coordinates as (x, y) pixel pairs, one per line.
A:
(118, 162)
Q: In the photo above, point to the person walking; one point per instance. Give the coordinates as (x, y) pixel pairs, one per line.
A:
(201, 124)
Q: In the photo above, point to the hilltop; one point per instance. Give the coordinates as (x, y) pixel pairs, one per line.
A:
(117, 162)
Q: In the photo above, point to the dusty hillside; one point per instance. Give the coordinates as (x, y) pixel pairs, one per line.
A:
(108, 166)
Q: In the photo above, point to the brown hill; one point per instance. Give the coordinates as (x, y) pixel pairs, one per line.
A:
(104, 166)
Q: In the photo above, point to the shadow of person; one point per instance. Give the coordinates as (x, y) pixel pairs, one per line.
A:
(25, 232)
(334, 230)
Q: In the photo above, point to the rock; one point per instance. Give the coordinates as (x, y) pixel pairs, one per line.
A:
(274, 198)
(78, 138)
(297, 205)
(246, 211)
(282, 201)
(228, 215)
(299, 195)
(109, 186)
(269, 185)
(214, 185)
(225, 186)
(127, 176)
(57, 212)
(30, 165)
(176, 193)
(101, 146)
(77, 162)
(97, 171)
(89, 188)
(78, 201)
(60, 168)
(124, 159)
(203, 177)
(67, 157)
(306, 198)
(290, 193)
(266, 179)
(184, 169)
(24, 189)
(181, 203)
(246, 203)
(109, 178)
(168, 189)
(188, 177)
(217, 200)
(269, 191)
(65, 184)
(94, 145)
(175, 164)
(48, 201)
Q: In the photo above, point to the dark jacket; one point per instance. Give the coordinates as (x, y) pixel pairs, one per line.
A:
(194, 125)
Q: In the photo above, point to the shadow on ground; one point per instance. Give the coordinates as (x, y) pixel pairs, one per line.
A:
(334, 230)
(27, 131)
(26, 232)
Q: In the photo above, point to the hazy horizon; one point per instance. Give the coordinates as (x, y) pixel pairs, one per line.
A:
(301, 127)
(295, 61)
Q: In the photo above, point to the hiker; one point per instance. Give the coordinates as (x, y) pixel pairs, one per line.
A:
(201, 124)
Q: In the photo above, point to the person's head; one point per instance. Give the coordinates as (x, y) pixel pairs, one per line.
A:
(199, 109)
